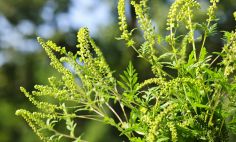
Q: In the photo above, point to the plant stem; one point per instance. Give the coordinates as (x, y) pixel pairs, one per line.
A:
(114, 113)
(192, 34)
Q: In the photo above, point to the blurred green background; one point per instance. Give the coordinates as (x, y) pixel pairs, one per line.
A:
(24, 63)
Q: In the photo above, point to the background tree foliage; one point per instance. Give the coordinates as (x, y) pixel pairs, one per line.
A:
(26, 68)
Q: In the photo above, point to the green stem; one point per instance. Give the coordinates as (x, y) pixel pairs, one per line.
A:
(173, 44)
(192, 34)
(114, 112)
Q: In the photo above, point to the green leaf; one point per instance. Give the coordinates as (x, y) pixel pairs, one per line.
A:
(122, 85)
(163, 139)
(200, 105)
(165, 55)
(191, 59)
(212, 30)
(129, 80)
(203, 54)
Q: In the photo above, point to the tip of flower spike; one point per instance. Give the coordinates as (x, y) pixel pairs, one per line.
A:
(19, 112)
(22, 89)
(39, 39)
(83, 32)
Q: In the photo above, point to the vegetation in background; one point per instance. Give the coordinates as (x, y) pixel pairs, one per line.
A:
(195, 104)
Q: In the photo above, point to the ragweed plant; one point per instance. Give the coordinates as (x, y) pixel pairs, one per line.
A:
(196, 104)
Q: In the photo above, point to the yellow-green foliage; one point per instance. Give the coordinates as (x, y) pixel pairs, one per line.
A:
(195, 104)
